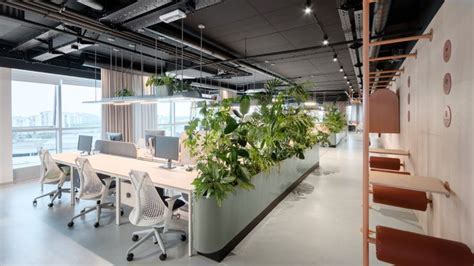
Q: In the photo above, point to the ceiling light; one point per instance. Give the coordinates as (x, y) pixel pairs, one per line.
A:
(141, 30)
(341, 69)
(116, 50)
(307, 7)
(110, 39)
(201, 26)
(131, 45)
(326, 40)
(266, 61)
(272, 64)
(345, 76)
(348, 82)
(172, 16)
(334, 58)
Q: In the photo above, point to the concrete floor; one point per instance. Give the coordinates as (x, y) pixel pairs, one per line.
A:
(317, 224)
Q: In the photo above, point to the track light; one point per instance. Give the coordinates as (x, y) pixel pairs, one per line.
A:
(348, 82)
(341, 69)
(334, 58)
(345, 76)
(308, 7)
(326, 40)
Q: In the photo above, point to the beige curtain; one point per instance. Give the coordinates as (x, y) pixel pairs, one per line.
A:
(130, 120)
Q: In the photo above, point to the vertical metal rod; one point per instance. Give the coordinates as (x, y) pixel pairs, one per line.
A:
(182, 54)
(365, 154)
(95, 72)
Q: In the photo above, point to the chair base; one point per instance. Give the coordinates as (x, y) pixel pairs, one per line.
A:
(57, 193)
(156, 233)
(98, 207)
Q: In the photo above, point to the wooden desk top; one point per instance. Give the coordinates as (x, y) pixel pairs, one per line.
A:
(389, 151)
(117, 166)
(417, 183)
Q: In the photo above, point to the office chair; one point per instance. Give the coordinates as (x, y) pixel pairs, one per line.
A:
(51, 174)
(92, 187)
(151, 211)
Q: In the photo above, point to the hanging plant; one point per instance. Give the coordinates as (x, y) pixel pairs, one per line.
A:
(171, 83)
(124, 93)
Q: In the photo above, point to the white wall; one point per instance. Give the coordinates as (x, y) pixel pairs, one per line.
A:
(6, 173)
(437, 151)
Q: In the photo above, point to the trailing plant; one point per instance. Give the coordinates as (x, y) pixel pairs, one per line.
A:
(174, 85)
(124, 93)
(232, 145)
(334, 119)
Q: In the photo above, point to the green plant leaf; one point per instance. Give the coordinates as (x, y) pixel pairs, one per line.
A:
(243, 153)
(231, 125)
(245, 104)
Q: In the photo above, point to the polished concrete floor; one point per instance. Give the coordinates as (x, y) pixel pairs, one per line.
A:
(318, 224)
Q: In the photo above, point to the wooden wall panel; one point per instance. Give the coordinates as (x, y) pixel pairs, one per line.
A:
(384, 112)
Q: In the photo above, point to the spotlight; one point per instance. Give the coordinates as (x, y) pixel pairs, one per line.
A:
(110, 39)
(348, 82)
(341, 69)
(326, 40)
(345, 76)
(307, 7)
(334, 58)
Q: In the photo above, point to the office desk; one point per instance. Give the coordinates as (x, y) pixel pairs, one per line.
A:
(119, 167)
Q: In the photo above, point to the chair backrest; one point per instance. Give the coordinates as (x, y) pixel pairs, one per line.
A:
(149, 209)
(90, 184)
(123, 149)
(49, 168)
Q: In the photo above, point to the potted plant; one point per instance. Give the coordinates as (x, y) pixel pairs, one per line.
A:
(165, 81)
(335, 122)
(124, 93)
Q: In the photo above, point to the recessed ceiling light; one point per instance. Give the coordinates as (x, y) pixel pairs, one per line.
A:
(325, 40)
(110, 39)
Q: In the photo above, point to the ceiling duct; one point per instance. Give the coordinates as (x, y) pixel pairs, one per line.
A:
(134, 10)
(62, 50)
(92, 4)
(381, 11)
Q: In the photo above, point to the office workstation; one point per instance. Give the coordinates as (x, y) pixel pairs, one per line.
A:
(238, 132)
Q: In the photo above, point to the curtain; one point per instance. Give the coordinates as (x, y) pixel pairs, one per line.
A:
(130, 120)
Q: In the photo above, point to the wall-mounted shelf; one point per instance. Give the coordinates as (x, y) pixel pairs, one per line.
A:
(417, 183)
(389, 151)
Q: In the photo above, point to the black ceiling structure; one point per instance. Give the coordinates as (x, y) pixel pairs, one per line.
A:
(244, 44)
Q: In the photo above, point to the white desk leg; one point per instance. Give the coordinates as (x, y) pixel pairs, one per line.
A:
(190, 224)
(73, 190)
(117, 200)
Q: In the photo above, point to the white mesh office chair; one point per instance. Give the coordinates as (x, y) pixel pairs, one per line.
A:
(151, 211)
(92, 187)
(51, 174)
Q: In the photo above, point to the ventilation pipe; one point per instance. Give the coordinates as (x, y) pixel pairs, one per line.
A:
(382, 9)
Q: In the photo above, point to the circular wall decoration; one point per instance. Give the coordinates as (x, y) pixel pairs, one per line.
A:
(447, 83)
(408, 81)
(408, 115)
(447, 51)
(408, 98)
(447, 116)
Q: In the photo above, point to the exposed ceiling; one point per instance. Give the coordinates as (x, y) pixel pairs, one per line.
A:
(245, 42)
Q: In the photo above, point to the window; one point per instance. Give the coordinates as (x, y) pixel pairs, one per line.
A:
(36, 113)
(173, 117)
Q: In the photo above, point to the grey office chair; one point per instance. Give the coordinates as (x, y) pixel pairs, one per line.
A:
(51, 174)
(92, 187)
(151, 210)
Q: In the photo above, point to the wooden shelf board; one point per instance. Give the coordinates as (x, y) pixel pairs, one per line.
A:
(389, 151)
(417, 183)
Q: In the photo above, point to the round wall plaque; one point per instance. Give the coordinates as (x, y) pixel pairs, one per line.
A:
(447, 51)
(447, 83)
(447, 116)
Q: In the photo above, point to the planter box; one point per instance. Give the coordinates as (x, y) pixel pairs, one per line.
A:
(217, 230)
(335, 138)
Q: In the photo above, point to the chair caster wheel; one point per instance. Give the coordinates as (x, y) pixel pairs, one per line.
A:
(83, 210)
(35, 203)
(70, 224)
(183, 238)
(130, 257)
(135, 238)
(163, 257)
(121, 213)
(50, 205)
(96, 224)
(77, 199)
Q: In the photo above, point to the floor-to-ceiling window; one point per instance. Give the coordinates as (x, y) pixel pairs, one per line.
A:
(48, 112)
(173, 116)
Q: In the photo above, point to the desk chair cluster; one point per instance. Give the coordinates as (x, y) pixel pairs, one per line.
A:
(406, 248)
(151, 209)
